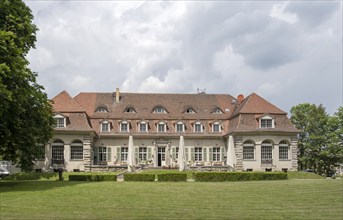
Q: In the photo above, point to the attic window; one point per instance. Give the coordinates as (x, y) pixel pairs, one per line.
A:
(217, 111)
(190, 111)
(101, 109)
(60, 121)
(160, 110)
(130, 110)
(105, 126)
(266, 122)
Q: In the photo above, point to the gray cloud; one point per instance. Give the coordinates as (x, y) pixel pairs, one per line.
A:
(288, 52)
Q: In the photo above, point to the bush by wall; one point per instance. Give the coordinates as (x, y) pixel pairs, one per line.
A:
(172, 177)
(97, 177)
(139, 177)
(238, 176)
(31, 176)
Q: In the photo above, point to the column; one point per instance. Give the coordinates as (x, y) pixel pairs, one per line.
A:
(239, 153)
(87, 153)
(294, 153)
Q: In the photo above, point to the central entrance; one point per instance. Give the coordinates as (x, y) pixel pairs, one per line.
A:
(161, 156)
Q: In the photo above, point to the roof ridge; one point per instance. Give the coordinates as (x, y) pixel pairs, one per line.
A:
(245, 104)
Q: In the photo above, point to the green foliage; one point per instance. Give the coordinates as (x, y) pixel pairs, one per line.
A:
(31, 176)
(303, 175)
(98, 177)
(238, 176)
(26, 114)
(320, 142)
(172, 177)
(139, 177)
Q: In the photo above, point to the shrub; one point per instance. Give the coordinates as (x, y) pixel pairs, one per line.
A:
(139, 177)
(172, 177)
(238, 176)
(31, 176)
(97, 177)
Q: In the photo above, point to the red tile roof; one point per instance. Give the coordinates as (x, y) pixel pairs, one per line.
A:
(63, 102)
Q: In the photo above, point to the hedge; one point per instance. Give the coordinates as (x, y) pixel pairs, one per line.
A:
(172, 177)
(238, 176)
(139, 177)
(92, 177)
(31, 176)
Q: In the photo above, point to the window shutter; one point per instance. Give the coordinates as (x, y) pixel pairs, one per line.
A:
(222, 153)
(173, 153)
(137, 153)
(118, 154)
(149, 153)
(204, 154)
(109, 154)
(192, 154)
(210, 149)
(186, 150)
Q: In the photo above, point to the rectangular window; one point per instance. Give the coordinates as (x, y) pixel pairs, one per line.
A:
(161, 128)
(179, 127)
(198, 154)
(123, 127)
(266, 123)
(124, 152)
(142, 154)
(197, 128)
(59, 122)
(76, 152)
(57, 155)
(266, 152)
(102, 154)
(142, 127)
(216, 128)
(216, 154)
(104, 127)
(283, 152)
(248, 153)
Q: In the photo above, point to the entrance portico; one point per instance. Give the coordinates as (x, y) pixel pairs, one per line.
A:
(161, 153)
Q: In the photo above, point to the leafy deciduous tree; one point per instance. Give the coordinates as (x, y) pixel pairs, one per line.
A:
(25, 112)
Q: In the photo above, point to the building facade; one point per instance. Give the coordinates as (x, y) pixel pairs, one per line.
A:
(219, 131)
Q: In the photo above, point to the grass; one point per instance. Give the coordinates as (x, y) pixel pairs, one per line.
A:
(303, 175)
(286, 199)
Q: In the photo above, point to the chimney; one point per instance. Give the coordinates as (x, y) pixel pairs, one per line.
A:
(117, 95)
(240, 98)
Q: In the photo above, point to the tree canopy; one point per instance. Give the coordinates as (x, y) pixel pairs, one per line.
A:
(320, 142)
(25, 113)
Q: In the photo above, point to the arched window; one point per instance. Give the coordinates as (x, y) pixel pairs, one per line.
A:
(248, 150)
(57, 154)
(267, 152)
(76, 150)
(283, 150)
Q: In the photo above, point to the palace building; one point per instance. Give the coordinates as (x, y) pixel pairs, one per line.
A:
(219, 131)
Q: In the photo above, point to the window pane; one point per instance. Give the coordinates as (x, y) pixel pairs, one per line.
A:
(248, 152)
(76, 152)
(124, 152)
(179, 127)
(197, 127)
(143, 127)
(198, 154)
(283, 152)
(142, 153)
(216, 154)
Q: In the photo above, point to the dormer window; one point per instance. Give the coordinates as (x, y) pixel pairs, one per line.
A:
(180, 127)
(159, 110)
(101, 109)
(198, 127)
(216, 128)
(105, 126)
(130, 110)
(143, 127)
(124, 126)
(60, 121)
(161, 127)
(266, 122)
(217, 111)
(190, 111)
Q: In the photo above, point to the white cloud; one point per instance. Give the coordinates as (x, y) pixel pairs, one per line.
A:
(226, 47)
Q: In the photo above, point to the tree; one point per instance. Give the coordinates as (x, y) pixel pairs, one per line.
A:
(320, 146)
(25, 112)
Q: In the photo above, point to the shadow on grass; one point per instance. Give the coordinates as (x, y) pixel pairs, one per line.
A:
(35, 185)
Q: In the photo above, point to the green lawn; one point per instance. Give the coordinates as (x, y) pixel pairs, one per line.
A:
(285, 199)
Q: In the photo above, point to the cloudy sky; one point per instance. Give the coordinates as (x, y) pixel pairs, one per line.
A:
(287, 52)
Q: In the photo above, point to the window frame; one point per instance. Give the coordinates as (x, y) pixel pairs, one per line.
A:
(195, 127)
(159, 110)
(198, 157)
(125, 125)
(102, 126)
(216, 154)
(164, 127)
(266, 122)
(142, 154)
(124, 152)
(76, 150)
(218, 125)
(178, 125)
(284, 153)
(60, 121)
(140, 127)
(249, 150)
